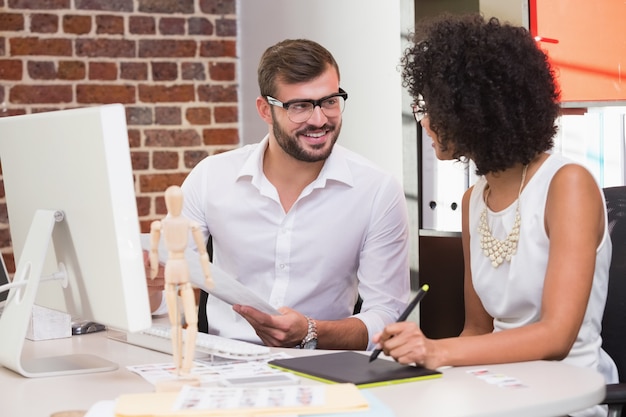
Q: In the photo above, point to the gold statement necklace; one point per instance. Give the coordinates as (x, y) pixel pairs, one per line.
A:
(493, 248)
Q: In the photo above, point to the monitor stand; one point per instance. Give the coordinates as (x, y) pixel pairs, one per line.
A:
(17, 311)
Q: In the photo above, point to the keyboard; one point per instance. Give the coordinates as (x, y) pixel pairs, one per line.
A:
(159, 338)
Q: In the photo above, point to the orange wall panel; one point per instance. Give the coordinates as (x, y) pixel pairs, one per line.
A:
(589, 55)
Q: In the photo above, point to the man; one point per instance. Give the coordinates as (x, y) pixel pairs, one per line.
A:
(304, 223)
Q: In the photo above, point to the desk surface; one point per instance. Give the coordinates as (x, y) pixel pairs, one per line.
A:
(550, 388)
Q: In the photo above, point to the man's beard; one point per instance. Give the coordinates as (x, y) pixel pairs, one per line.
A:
(292, 146)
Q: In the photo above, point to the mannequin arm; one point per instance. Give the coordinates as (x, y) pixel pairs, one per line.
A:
(155, 236)
(204, 256)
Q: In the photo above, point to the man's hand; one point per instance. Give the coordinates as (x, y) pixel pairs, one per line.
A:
(285, 330)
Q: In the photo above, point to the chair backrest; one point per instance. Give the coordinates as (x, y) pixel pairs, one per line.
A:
(614, 320)
(203, 323)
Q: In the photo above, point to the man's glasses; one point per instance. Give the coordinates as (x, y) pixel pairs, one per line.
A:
(419, 108)
(299, 111)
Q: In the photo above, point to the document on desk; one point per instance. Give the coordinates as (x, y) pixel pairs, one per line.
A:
(376, 409)
(226, 287)
(272, 401)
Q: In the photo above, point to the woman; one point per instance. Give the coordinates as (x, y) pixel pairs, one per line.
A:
(535, 239)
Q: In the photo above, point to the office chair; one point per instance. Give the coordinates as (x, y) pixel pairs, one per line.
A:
(614, 320)
(203, 324)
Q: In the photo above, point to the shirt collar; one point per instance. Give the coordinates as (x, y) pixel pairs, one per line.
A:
(335, 168)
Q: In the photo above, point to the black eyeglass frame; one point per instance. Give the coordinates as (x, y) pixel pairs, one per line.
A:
(419, 109)
(275, 102)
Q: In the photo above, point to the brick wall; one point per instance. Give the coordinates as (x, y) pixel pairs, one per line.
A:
(172, 63)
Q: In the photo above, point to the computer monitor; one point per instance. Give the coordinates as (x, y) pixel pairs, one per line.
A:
(73, 217)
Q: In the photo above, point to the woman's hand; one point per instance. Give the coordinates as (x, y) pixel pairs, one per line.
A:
(405, 342)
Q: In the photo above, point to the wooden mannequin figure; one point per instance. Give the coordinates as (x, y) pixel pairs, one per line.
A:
(175, 230)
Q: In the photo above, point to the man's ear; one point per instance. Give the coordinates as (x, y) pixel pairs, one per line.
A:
(264, 110)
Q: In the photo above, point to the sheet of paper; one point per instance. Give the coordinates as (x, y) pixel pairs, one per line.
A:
(327, 398)
(377, 409)
(226, 287)
(208, 371)
(201, 398)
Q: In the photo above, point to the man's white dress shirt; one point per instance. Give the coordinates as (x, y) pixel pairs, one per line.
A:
(347, 234)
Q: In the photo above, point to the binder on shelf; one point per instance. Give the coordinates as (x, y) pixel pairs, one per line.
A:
(354, 368)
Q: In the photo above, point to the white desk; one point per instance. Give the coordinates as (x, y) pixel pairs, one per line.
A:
(553, 388)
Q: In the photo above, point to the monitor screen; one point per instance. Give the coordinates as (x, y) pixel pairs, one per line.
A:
(73, 217)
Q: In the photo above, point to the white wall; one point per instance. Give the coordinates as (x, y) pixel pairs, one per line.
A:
(364, 37)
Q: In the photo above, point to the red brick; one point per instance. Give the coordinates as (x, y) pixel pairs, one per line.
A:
(9, 258)
(154, 183)
(3, 49)
(172, 26)
(38, 94)
(143, 206)
(220, 49)
(140, 160)
(39, 4)
(112, 48)
(226, 114)
(226, 27)
(164, 71)
(167, 116)
(110, 25)
(220, 136)
(41, 70)
(39, 46)
(71, 70)
(169, 138)
(217, 93)
(138, 115)
(144, 225)
(134, 71)
(161, 94)
(44, 23)
(198, 115)
(104, 94)
(141, 25)
(222, 71)
(159, 205)
(151, 48)
(166, 6)
(111, 5)
(11, 22)
(192, 71)
(134, 138)
(165, 160)
(75, 24)
(191, 158)
(103, 71)
(11, 112)
(200, 26)
(10, 69)
(5, 241)
(218, 6)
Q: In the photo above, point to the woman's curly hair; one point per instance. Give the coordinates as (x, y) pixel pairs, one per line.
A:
(489, 90)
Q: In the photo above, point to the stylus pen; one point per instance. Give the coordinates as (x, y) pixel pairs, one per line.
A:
(405, 314)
